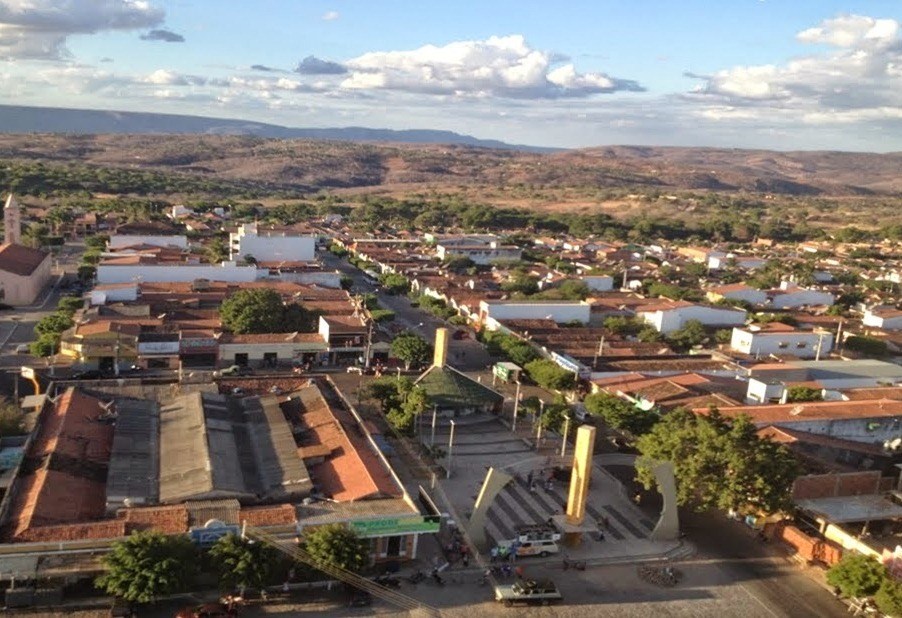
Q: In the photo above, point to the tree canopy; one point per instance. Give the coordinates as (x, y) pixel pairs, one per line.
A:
(242, 563)
(411, 349)
(12, 421)
(550, 375)
(336, 545)
(857, 575)
(718, 462)
(621, 414)
(148, 565)
(262, 311)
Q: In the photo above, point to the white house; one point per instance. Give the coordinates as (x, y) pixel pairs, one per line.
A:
(737, 291)
(482, 254)
(888, 318)
(114, 293)
(118, 241)
(669, 316)
(776, 338)
(791, 296)
(24, 273)
(492, 311)
(271, 245)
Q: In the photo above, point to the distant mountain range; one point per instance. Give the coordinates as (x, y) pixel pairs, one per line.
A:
(20, 119)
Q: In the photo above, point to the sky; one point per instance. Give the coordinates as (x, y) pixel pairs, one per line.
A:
(776, 74)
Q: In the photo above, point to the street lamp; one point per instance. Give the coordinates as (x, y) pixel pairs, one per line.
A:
(566, 431)
(450, 448)
(516, 407)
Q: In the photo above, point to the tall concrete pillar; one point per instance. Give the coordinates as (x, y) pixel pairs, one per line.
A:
(581, 475)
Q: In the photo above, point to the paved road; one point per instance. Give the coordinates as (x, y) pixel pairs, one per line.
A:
(463, 354)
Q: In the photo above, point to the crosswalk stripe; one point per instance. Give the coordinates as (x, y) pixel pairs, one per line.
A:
(626, 523)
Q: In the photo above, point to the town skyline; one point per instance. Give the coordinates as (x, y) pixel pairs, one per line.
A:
(813, 75)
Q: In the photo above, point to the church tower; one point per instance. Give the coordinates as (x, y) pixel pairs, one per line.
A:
(12, 222)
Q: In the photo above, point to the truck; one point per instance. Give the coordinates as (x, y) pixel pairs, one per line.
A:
(528, 592)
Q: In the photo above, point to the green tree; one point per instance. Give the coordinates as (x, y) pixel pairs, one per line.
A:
(393, 283)
(253, 311)
(857, 575)
(70, 304)
(86, 272)
(411, 349)
(242, 563)
(889, 597)
(691, 334)
(389, 391)
(522, 283)
(54, 324)
(866, 345)
(148, 565)
(403, 417)
(555, 415)
(718, 462)
(336, 545)
(44, 345)
(621, 414)
(550, 375)
(796, 394)
(620, 325)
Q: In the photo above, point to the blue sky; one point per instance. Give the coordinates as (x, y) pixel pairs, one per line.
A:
(799, 74)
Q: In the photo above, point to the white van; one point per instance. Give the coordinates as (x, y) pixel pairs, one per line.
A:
(538, 548)
(542, 547)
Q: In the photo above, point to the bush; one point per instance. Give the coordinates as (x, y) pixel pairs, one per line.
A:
(550, 375)
(866, 345)
(857, 575)
(382, 315)
(797, 394)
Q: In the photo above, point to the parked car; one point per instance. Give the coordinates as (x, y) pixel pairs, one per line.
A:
(528, 591)
(232, 370)
(23, 348)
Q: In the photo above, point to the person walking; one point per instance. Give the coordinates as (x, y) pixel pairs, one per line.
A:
(529, 478)
(493, 554)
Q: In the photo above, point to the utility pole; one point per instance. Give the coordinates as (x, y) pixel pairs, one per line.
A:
(434, 419)
(598, 353)
(516, 407)
(450, 448)
(820, 343)
(566, 431)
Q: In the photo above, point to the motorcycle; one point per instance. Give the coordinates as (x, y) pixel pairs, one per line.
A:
(416, 578)
(387, 580)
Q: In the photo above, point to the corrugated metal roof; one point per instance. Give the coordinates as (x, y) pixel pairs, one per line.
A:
(134, 460)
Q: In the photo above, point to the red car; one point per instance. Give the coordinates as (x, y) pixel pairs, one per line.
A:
(208, 610)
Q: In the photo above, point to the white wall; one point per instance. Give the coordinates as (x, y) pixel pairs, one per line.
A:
(109, 273)
(877, 321)
(125, 240)
(561, 313)
(272, 247)
(114, 295)
(751, 295)
(674, 319)
(322, 279)
(764, 392)
(801, 344)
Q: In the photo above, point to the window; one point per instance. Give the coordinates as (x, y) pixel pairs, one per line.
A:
(782, 345)
(801, 344)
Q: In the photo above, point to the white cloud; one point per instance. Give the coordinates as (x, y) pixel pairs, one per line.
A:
(498, 66)
(331, 15)
(39, 28)
(162, 77)
(858, 80)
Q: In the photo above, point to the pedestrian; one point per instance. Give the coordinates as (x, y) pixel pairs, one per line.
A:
(518, 571)
(529, 478)
(605, 523)
(549, 486)
(600, 535)
(494, 554)
(532, 487)
(466, 560)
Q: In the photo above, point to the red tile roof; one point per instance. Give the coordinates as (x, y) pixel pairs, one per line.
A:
(64, 475)
(20, 260)
(819, 410)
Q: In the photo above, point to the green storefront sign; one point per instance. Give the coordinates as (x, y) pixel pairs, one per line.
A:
(395, 525)
(501, 372)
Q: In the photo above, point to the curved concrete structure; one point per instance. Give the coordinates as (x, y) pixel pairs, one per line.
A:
(494, 482)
